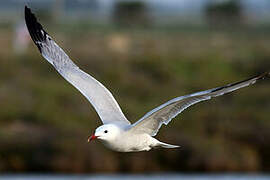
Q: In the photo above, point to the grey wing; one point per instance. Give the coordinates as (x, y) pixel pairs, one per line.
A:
(152, 121)
(100, 97)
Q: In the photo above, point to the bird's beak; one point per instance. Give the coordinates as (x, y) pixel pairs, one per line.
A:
(92, 137)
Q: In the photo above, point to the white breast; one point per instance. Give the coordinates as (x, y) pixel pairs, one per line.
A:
(128, 142)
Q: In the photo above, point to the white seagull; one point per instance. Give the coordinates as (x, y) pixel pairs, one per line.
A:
(117, 133)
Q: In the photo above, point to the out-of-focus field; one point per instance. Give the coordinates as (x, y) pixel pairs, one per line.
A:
(44, 121)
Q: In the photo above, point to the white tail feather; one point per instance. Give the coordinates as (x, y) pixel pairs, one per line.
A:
(165, 145)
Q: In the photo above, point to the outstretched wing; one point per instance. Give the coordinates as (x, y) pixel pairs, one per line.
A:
(152, 121)
(100, 97)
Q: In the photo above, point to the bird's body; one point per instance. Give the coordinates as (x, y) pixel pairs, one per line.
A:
(121, 138)
(128, 142)
(118, 133)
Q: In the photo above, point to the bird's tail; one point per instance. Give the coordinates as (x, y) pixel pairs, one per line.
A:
(165, 145)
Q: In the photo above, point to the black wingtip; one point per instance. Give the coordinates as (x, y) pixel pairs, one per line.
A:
(264, 75)
(35, 29)
(26, 9)
(256, 78)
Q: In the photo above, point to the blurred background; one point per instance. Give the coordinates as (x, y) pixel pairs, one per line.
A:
(145, 52)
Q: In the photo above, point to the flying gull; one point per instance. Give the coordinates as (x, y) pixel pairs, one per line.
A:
(117, 133)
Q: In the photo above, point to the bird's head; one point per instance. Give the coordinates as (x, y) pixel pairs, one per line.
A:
(105, 132)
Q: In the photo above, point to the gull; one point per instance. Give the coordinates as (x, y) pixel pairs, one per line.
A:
(117, 133)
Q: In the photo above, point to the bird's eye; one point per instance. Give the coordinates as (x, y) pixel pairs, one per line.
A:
(105, 131)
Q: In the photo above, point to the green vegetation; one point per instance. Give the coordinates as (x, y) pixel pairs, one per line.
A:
(44, 121)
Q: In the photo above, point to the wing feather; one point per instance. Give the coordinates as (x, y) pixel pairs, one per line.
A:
(100, 97)
(151, 122)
